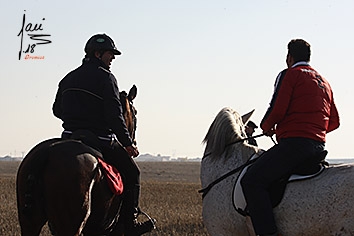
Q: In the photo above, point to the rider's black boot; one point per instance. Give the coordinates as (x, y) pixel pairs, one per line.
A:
(131, 203)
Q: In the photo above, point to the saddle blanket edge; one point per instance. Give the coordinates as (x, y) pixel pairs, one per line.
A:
(114, 179)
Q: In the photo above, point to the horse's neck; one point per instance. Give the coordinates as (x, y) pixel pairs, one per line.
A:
(213, 167)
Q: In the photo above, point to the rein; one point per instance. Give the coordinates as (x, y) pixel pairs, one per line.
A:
(205, 190)
(237, 141)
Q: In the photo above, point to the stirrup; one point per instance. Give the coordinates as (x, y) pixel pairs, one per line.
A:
(153, 221)
(140, 228)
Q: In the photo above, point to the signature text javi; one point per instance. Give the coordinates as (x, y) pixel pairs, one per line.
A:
(32, 31)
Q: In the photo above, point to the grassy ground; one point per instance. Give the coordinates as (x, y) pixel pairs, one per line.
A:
(169, 194)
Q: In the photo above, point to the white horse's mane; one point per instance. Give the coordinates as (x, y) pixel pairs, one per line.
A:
(226, 128)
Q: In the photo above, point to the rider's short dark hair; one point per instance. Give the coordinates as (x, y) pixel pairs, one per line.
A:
(91, 53)
(300, 50)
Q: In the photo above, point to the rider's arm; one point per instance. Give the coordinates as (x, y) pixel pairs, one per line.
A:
(333, 118)
(57, 111)
(113, 111)
(279, 103)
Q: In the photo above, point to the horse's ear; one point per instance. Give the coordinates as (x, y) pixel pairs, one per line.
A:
(133, 92)
(246, 117)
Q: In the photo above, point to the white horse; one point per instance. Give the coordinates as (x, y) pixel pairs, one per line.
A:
(321, 206)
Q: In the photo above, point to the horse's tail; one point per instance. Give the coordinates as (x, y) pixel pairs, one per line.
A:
(29, 176)
(31, 213)
(28, 197)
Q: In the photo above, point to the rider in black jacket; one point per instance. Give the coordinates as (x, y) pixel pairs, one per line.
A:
(88, 99)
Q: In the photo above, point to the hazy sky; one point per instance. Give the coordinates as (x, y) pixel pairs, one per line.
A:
(189, 59)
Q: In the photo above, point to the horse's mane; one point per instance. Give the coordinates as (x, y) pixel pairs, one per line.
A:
(226, 128)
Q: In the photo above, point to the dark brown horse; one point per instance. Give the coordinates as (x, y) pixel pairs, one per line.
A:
(60, 182)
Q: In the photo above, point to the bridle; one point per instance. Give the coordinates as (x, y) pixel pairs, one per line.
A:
(205, 190)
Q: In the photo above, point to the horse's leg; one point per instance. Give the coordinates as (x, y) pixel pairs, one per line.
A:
(68, 218)
(68, 199)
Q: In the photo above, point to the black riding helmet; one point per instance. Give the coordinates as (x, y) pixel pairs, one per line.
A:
(101, 42)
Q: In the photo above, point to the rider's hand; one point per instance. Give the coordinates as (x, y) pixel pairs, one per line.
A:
(132, 150)
(270, 132)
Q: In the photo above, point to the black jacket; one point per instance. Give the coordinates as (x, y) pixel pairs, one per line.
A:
(88, 98)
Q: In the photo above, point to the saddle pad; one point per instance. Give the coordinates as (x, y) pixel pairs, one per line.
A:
(238, 198)
(276, 191)
(114, 180)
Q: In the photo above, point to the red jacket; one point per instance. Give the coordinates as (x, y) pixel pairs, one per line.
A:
(302, 105)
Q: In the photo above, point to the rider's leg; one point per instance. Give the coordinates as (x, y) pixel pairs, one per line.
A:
(276, 163)
(119, 158)
(132, 210)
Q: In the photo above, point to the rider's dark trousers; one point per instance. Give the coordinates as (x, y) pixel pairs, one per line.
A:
(276, 163)
(119, 158)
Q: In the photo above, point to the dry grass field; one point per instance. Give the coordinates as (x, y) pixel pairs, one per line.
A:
(169, 194)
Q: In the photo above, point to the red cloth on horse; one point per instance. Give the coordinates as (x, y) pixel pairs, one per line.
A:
(113, 177)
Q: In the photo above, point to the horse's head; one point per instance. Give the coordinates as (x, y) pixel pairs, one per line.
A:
(129, 111)
(227, 127)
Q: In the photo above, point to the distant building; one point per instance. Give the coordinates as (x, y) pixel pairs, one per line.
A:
(148, 157)
(9, 158)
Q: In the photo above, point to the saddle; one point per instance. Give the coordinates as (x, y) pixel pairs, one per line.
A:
(89, 138)
(112, 175)
(308, 170)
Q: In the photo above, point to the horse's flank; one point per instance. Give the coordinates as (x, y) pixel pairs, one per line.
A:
(319, 206)
(84, 164)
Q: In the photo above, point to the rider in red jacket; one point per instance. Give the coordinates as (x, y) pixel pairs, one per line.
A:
(302, 105)
(301, 113)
